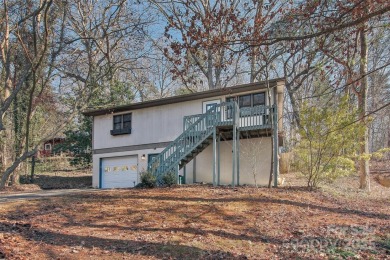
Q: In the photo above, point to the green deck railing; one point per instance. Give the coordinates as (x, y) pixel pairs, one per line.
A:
(252, 118)
(199, 129)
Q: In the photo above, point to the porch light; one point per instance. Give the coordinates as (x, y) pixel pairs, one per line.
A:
(143, 157)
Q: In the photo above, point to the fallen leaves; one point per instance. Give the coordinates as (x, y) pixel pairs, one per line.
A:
(195, 221)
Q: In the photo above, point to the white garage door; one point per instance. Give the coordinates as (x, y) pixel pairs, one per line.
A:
(119, 172)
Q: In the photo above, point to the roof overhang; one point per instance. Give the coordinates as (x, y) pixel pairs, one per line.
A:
(279, 83)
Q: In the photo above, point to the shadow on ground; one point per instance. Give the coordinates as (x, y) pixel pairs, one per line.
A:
(146, 248)
(59, 182)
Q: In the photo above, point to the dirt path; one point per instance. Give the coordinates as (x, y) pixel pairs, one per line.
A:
(5, 198)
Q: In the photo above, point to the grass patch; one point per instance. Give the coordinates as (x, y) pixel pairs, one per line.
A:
(57, 173)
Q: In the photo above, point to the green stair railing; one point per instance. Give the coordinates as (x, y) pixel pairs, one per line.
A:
(197, 130)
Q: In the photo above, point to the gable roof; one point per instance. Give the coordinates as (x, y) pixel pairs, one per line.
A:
(187, 97)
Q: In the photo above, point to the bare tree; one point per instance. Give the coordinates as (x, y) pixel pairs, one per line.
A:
(379, 89)
(22, 55)
(58, 56)
(196, 30)
(104, 42)
(347, 19)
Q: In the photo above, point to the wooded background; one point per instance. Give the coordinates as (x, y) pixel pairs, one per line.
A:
(60, 57)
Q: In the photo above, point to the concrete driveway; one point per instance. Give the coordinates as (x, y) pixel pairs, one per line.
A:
(4, 198)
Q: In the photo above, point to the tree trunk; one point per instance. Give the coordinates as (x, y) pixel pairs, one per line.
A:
(364, 170)
(15, 177)
(3, 146)
(255, 50)
(7, 173)
(295, 107)
(32, 169)
(253, 65)
(210, 69)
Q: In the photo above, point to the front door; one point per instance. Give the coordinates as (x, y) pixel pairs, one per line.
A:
(151, 156)
(207, 105)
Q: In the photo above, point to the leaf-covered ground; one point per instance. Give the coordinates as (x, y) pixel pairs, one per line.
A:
(192, 222)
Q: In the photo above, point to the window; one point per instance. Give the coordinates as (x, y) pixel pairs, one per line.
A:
(258, 99)
(48, 147)
(252, 100)
(249, 100)
(122, 124)
(245, 101)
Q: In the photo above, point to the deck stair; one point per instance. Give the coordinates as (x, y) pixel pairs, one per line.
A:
(199, 131)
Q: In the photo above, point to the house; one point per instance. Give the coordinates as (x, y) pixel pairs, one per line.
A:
(47, 149)
(222, 136)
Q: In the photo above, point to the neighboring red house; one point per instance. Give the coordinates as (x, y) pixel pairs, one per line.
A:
(48, 146)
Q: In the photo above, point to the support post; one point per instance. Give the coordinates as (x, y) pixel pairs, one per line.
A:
(184, 174)
(194, 171)
(177, 174)
(219, 159)
(234, 155)
(238, 157)
(100, 173)
(214, 156)
(235, 122)
(276, 145)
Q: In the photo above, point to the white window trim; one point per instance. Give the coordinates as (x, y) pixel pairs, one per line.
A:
(47, 147)
(205, 103)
